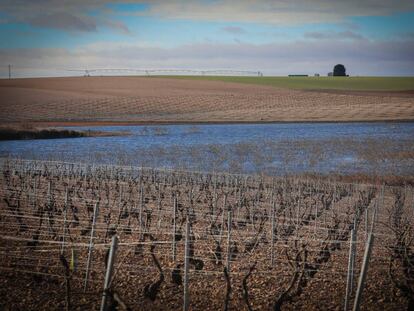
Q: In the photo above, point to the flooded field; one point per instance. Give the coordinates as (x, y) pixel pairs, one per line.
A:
(277, 149)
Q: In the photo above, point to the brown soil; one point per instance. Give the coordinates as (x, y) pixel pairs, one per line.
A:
(32, 277)
(408, 93)
(141, 100)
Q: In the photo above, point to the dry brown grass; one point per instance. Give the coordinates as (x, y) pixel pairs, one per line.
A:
(142, 100)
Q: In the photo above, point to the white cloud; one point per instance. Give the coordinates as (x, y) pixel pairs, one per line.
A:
(259, 11)
(235, 30)
(70, 15)
(317, 52)
(275, 12)
(341, 35)
(65, 21)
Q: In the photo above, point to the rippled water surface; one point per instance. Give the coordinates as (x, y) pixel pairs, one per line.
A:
(275, 148)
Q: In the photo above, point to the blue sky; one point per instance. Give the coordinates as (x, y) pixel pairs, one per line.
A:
(47, 37)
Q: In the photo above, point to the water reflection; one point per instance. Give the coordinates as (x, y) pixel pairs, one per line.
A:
(375, 148)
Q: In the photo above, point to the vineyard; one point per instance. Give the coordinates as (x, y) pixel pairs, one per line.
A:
(76, 237)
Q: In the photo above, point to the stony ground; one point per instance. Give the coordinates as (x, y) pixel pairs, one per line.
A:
(32, 277)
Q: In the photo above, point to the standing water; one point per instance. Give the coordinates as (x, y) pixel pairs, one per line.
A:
(279, 148)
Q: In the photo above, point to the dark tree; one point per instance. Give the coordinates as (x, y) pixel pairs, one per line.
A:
(339, 71)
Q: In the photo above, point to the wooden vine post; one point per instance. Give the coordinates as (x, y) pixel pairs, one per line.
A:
(174, 231)
(109, 271)
(186, 264)
(353, 258)
(228, 241)
(65, 213)
(364, 269)
(349, 278)
(272, 236)
(89, 261)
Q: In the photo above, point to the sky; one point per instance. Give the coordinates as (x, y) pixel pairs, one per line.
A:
(279, 37)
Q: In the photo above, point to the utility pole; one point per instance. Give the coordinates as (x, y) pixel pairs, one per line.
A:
(9, 71)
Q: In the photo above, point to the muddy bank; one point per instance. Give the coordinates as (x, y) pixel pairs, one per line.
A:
(172, 122)
(50, 133)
